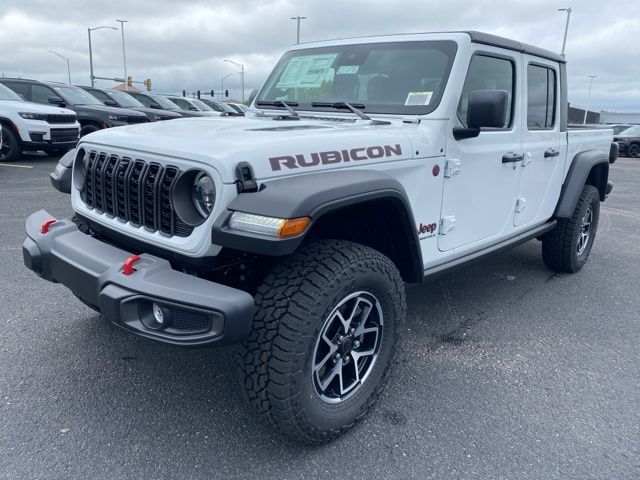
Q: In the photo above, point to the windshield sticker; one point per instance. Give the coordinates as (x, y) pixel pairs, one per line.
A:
(418, 98)
(348, 69)
(306, 72)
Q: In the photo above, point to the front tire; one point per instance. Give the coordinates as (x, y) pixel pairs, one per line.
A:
(324, 334)
(567, 247)
(10, 149)
(634, 150)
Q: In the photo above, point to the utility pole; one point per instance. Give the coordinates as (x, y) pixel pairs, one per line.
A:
(222, 85)
(566, 28)
(66, 60)
(586, 110)
(297, 19)
(124, 57)
(241, 67)
(89, 30)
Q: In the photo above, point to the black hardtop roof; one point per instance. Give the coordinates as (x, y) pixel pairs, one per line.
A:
(496, 41)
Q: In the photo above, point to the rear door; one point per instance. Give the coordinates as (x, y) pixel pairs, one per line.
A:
(544, 143)
(480, 188)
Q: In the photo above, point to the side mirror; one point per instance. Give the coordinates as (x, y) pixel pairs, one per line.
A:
(155, 105)
(110, 103)
(487, 108)
(56, 101)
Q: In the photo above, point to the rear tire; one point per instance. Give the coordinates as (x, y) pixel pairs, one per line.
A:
(11, 149)
(567, 247)
(331, 298)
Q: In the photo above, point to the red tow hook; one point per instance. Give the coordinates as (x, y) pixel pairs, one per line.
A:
(127, 266)
(46, 224)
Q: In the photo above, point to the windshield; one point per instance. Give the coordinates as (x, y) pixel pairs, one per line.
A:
(7, 94)
(631, 132)
(76, 96)
(201, 105)
(395, 77)
(123, 99)
(164, 102)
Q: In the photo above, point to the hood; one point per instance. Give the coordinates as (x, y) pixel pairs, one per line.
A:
(155, 111)
(107, 109)
(273, 147)
(20, 106)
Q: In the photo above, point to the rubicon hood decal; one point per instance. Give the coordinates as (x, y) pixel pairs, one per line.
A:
(334, 156)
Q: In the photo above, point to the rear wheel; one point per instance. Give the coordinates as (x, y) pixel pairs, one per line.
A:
(324, 334)
(10, 148)
(567, 248)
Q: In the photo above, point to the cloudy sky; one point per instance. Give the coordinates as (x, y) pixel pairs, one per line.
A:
(182, 44)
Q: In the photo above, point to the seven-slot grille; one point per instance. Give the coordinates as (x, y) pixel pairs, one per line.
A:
(60, 118)
(133, 191)
(64, 135)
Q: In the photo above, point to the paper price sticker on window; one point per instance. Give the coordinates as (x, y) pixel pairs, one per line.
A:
(306, 72)
(418, 98)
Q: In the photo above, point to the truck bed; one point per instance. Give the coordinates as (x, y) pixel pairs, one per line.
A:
(580, 139)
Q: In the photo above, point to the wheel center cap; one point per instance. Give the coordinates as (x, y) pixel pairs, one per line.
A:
(347, 345)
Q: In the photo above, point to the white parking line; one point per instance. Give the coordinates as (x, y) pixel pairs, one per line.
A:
(14, 165)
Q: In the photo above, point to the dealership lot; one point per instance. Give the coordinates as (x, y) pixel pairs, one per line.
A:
(506, 370)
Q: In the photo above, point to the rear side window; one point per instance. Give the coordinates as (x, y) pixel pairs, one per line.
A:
(488, 73)
(541, 97)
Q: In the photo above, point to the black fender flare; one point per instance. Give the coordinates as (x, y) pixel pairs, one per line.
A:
(577, 176)
(9, 122)
(312, 195)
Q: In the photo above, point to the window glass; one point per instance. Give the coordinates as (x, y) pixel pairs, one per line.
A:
(182, 103)
(541, 97)
(76, 95)
(7, 94)
(123, 99)
(99, 95)
(633, 131)
(394, 77)
(19, 87)
(143, 99)
(41, 93)
(487, 73)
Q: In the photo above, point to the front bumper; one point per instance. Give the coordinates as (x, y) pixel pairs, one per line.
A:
(198, 312)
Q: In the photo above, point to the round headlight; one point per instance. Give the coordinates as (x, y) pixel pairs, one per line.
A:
(204, 194)
(79, 170)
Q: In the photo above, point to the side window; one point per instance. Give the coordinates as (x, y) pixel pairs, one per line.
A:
(181, 103)
(541, 97)
(20, 88)
(488, 73)
(99, 95)
(41, 94)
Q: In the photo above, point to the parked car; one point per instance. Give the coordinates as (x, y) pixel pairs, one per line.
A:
(30, 126)
(619, 128)
(238, 107)
(629, 141)
(116, 98)
(221, 107)
(193, 105)
(91, 113)
(371, 163)
(160, 102)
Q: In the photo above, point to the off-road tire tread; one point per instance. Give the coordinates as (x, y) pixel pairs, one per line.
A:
(559, 245)
(269, 357)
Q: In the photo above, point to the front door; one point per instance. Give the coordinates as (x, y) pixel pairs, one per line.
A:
(481, 178)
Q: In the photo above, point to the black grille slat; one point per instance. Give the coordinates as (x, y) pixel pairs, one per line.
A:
(61, 118)
(134, 191)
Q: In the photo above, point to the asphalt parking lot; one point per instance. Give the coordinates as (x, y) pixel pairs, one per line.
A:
(506, 370)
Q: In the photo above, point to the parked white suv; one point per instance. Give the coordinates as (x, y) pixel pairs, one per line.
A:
(365, 164)
(31, 126)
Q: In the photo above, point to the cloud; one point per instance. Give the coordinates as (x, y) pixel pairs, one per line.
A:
(183, 44)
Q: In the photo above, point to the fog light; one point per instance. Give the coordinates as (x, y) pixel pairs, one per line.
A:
(158, 314)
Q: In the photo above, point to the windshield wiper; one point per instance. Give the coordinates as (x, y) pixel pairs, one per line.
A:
(280, 103)
(354, 107)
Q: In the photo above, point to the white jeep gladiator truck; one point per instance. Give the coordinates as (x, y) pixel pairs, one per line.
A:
(362, 165)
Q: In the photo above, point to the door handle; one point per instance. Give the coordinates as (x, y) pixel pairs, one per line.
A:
(550, 152)
(511, 157)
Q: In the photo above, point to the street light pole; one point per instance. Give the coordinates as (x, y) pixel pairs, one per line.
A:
(66, 60)
(222, 86)
(89, 30)
(297, 19)
(241, 67)
(124, 57)
(566, 28)
(586, 110)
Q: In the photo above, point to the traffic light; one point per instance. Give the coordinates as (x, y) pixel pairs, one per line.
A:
(198, 92)
(147, 83)
(212, 93)
(184, 93)
(130, 81)
(226, 93)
